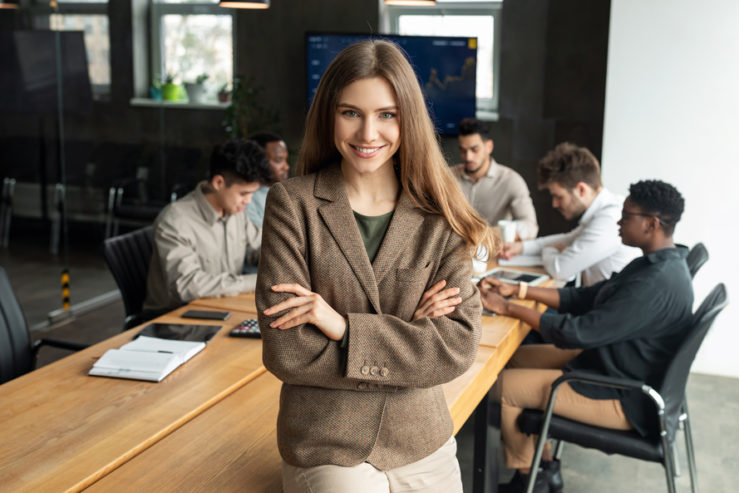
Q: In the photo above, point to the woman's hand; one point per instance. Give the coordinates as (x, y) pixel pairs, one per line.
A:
(437, 303)
(306, 307)
(498, 286)
(492, 300)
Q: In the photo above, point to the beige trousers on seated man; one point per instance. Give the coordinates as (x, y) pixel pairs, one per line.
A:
(437, 472)
(525, 384)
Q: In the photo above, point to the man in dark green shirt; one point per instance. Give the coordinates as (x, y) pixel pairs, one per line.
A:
(627, 326)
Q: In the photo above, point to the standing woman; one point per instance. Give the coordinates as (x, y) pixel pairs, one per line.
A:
(355, 252)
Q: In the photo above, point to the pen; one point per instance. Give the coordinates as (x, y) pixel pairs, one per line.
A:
(168, 352)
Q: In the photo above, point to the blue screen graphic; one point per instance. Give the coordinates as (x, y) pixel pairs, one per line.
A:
(446, 68)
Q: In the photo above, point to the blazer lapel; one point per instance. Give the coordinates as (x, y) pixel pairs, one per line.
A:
(406, 220)
(339, 219)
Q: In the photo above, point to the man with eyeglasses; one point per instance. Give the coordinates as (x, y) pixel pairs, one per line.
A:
(627, 327)
(572, 176)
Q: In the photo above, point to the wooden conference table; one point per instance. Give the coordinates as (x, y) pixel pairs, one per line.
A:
(209, 426)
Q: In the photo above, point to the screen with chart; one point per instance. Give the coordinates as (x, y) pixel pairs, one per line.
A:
(446, 69)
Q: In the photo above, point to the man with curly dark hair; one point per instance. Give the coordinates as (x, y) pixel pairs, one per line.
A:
(660, 199)
(202, 241)
(628, 326)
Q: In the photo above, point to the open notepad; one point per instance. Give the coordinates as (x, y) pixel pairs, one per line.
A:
(151, 358)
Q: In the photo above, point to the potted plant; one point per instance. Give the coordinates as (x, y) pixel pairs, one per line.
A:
(247, 113)
(196, 90)
(224, 95)
(170, 90)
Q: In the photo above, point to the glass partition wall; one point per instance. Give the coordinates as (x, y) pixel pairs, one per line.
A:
(103, 121)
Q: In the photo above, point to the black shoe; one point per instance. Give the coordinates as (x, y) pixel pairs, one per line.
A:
(553, 475)
(520, 481)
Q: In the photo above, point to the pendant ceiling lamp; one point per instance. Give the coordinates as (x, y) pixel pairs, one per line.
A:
(245, 4)
(411, 3)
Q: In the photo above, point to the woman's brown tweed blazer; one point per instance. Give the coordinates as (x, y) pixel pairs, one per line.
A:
(378, 399)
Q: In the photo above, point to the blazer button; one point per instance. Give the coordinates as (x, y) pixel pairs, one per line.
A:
(384, 372)
(374, 370)
(362, 386)
(365, 370)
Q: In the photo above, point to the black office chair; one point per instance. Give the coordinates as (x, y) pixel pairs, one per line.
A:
(697, 256)
(128, 257)
(17, 354)
(670, 403)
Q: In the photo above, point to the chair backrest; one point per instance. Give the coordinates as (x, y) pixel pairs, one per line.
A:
(128, 257)
(676, 377)
(16, 355)
(697, 256)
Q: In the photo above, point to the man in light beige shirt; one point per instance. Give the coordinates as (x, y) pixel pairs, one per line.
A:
(495, 191)
(202, 241)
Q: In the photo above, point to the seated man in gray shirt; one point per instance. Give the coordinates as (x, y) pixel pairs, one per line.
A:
(628, 326)
(495, 191)
(202, 240)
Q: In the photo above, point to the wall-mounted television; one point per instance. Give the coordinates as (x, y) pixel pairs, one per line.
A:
(446, 68)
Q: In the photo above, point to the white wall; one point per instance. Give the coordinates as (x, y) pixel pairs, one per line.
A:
(672, 112)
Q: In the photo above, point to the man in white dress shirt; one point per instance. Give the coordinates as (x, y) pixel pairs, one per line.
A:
(593, 248)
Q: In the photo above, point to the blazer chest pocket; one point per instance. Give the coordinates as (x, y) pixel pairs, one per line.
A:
(413, 275)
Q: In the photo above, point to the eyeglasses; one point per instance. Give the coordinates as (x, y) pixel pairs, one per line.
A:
(626, 214)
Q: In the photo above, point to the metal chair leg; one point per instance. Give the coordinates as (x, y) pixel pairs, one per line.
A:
(675, 459)
(558, 449)
(542, 441)
(690, 452)
(668, 463)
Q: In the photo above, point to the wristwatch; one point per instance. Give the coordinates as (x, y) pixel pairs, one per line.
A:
(522, 288)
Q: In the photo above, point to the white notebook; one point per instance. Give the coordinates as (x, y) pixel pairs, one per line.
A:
(146, 358)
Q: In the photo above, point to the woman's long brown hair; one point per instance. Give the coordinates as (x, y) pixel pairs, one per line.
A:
(424, 173)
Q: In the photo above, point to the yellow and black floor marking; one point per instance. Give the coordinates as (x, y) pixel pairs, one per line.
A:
(65, 289)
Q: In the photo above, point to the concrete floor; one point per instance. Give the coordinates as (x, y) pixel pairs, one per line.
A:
(713, 401)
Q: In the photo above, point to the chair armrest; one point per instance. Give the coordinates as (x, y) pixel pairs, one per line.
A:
(601, 380)
(613, 382)
(72, 346)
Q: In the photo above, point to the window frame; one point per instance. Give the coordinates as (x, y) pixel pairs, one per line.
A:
(484, 106)
(39, 9)
(159, 9)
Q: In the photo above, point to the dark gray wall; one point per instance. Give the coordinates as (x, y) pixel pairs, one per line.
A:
(174, 143)
(552, 87)
(271, 47)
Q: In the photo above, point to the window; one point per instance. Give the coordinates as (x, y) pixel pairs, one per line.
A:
(91, 17)
(190, 38)
(460, 18)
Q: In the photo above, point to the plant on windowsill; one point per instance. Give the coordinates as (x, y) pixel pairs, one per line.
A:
(170, 90)
(247, 114)
(224, 95)
(196, 90)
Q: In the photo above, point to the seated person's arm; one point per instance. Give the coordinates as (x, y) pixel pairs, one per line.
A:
(598, 240)
(531, 247)
(492, 292)
(253, 243)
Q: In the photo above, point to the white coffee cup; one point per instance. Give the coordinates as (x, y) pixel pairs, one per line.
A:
(480, 260)
(507, 230)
